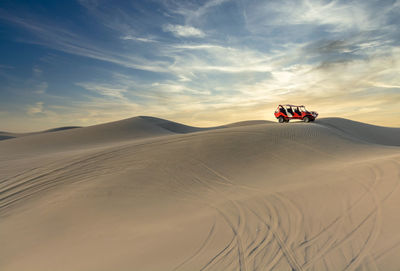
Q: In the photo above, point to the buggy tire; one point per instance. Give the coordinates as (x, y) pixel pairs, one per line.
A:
(306, 119)
(281, 119)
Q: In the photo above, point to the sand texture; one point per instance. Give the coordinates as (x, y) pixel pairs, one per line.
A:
(150, 194)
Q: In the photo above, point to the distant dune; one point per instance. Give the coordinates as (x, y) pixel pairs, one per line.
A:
(151, 194)
(7, 135)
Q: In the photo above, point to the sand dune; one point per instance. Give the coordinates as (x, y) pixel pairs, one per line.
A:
(8, 135)
(71, 138)
(151, 194)
(114, 132)
(366, 132)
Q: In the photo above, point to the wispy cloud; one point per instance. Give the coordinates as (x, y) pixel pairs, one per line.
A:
(35, 109)
(140, 39)
(59, 38)
(184, 30)
(192, 12)
(37, 72)
(104, 90)
(41, 88)
(312, 12)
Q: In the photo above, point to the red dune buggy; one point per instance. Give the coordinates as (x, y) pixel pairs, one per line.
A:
(286, 112)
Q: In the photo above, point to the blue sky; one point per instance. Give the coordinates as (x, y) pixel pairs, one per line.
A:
(198, 62)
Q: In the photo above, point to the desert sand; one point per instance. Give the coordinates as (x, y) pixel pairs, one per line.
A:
(150, 194)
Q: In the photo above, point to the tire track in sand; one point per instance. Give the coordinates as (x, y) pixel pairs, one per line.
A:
(364, 252)
(273, 227)
(237, 231)
(204, 244)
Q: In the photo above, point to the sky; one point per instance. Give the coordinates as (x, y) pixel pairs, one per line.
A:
(201, 63)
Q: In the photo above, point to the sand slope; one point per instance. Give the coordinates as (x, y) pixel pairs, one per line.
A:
(362, 131)
(150, 194)
(8, 135)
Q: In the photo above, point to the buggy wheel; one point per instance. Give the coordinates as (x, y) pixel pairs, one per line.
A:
(281, 119)
(306, 119)
(286, 120)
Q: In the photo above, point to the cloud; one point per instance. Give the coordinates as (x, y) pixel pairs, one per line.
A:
(35, 109)
(192, 12)
(59, 38)
(340, 15)
(112, 91)
(130, 37)
(277, 23)
(41, 88)
(37, 71)
(208, 58)
(183, 31)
